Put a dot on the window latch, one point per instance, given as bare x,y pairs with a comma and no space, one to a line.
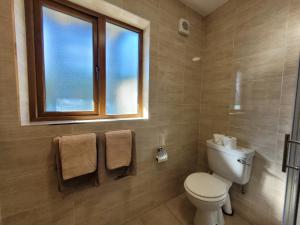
97,72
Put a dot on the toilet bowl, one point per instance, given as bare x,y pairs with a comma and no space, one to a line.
208,194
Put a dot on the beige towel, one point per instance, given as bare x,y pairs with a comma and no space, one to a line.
118,148
78,155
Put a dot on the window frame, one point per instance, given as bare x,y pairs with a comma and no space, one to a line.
36,73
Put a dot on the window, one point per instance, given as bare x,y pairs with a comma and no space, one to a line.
81,64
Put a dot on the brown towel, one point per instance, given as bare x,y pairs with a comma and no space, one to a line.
106,175
118,149
78,155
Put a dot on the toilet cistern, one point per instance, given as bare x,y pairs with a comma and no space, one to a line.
228,165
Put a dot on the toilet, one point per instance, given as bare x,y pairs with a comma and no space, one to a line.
209,192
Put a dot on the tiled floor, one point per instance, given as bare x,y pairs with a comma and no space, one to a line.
177,211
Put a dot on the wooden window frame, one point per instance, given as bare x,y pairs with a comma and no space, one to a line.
36,77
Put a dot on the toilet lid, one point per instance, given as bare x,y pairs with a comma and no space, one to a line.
205,185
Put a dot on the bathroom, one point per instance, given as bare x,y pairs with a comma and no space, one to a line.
206,67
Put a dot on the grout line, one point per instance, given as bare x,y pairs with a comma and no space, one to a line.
173,214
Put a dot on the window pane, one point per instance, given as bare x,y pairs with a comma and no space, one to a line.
68,59
122,58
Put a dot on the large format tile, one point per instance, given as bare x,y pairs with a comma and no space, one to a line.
28,177
177,211
182,209
235,220
134,222
160,215
259,41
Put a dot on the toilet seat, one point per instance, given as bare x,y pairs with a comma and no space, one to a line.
205,187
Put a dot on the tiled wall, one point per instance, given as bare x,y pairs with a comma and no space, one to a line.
28,186
260,41
257,39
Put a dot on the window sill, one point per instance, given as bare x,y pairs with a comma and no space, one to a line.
80,121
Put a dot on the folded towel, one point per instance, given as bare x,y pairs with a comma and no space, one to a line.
218,138
230,142
118,149
78,155
105,175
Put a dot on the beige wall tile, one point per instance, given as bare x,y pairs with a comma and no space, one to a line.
47,214
257,39
29,192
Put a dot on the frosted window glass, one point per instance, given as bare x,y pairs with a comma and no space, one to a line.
68,59
122,58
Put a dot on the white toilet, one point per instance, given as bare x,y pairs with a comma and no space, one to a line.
209,192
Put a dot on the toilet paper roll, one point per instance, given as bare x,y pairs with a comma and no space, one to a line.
161,155
230,142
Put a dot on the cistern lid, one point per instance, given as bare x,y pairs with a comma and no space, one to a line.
205,185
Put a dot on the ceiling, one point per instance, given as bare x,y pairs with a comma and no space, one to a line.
204,7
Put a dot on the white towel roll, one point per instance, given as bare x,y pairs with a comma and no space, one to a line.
218,138
230,142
